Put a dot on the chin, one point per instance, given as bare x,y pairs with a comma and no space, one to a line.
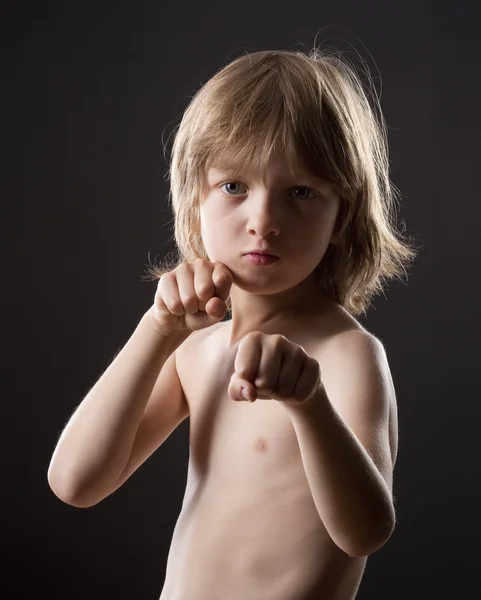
263,285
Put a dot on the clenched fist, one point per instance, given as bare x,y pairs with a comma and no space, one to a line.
192,296
270,366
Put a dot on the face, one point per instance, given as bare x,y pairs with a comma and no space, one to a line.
291,217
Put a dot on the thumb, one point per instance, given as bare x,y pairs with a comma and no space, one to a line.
240,389
215,310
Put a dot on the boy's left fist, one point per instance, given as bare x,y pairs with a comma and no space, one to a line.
272,367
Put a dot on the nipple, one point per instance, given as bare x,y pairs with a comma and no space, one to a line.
260,445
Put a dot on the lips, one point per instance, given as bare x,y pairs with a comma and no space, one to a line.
262,253
261,258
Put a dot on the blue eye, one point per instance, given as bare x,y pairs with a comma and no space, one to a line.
232,185
234,188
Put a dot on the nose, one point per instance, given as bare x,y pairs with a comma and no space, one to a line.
263,216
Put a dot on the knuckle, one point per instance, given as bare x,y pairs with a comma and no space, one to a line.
221,272
204,291
278,341
299,353
160,304
316,367
263,383
254,336
182,269
189,300
200,263
166,277
160,295
219,278
176,307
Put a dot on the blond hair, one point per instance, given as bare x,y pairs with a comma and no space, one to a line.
315,108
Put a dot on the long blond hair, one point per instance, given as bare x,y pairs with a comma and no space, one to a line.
315,108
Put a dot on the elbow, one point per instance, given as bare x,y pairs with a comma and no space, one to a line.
372,540
368,547
75,501
67,493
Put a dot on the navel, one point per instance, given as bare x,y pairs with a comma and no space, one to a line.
260,445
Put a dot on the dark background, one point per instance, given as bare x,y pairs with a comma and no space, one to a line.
90,91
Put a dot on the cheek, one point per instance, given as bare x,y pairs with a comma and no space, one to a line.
316,233
213,233
326,223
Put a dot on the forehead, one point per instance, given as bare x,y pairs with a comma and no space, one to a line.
277,164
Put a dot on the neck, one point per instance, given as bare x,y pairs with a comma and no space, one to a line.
269,313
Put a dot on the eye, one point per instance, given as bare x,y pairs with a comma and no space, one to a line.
307,193
232,188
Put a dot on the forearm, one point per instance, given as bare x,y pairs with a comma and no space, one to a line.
350,494
96,443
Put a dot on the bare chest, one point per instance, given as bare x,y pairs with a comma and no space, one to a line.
248,525
237,444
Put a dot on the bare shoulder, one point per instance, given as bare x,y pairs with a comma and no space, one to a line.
357,356
356,374
339,337
355,340
356,350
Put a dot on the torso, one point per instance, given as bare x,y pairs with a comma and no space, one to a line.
248,527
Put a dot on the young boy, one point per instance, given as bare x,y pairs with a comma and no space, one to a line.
293,422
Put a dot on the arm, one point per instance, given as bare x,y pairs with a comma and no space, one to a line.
132,408
343,435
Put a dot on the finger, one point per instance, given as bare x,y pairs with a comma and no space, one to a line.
270,364
310,373
241,390
203,284
248,355
185,283
289,373
169,294
222,279
215,310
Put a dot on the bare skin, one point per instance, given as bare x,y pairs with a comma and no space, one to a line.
248,527
285,498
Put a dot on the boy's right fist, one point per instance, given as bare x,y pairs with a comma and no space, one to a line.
192,296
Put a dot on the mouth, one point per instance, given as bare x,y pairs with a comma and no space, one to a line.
259,253
261,258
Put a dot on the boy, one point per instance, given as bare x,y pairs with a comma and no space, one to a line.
293,421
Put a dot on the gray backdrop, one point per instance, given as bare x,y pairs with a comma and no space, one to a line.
90,90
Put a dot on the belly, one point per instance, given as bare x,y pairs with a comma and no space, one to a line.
266,543
248,527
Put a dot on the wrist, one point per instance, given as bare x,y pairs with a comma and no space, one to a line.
316,397
163,330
